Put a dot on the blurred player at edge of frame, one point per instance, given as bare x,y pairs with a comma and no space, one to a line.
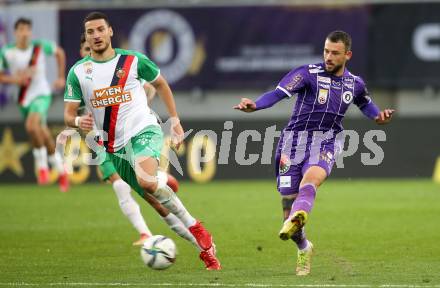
26,62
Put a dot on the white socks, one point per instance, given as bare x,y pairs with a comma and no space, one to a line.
40,157
56,161
177,226
168,198
129,207
162,178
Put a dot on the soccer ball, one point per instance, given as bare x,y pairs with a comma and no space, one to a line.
158,252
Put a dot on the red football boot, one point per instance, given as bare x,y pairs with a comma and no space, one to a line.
203,238
43,176
211,261
63,182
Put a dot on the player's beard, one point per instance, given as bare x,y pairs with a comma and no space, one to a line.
102,50
334,70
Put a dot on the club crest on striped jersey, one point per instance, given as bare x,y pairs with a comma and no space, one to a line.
120,73
110,96
88,67
322,96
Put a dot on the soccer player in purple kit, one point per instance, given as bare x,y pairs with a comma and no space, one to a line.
309,144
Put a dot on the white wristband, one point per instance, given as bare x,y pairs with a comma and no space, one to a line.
77,118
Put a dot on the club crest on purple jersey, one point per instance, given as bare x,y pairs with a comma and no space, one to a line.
322,96
347,97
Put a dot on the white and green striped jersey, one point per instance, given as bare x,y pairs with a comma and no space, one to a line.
31,60
112,91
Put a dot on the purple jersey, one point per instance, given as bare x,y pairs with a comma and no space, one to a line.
323,98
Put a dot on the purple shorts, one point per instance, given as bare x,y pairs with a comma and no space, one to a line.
290,169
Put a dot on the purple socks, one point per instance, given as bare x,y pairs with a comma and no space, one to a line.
305,199
300,239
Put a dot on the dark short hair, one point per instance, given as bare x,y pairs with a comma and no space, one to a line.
82,39
96,16
22,21
340,36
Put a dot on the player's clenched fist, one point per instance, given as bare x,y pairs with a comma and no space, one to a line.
246,105
86,122
177,135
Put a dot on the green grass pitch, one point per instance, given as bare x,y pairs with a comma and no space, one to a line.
375,232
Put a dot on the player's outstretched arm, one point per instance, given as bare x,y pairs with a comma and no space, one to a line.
246,105
371,110
384,116
164,91
17,79
60,56
264,101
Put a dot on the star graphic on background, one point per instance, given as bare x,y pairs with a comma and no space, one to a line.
11,152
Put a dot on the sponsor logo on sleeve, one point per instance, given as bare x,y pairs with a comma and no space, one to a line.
296,80
110,96
69,90
327,156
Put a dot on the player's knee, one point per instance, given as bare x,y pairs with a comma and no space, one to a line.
314,175
148,185
31,127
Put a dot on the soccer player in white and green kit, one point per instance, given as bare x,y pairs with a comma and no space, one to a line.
25,60
127,203
109,82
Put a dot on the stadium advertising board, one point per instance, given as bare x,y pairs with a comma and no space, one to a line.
226,47
244,150
404,53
